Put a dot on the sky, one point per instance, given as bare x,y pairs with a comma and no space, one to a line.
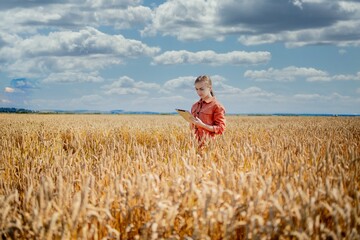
263,56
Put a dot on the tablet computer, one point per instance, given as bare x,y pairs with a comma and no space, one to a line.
185,114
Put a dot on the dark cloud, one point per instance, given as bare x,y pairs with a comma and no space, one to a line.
280,15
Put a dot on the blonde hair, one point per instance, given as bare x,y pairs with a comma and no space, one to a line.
207,80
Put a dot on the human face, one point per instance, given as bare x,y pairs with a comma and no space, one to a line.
202,90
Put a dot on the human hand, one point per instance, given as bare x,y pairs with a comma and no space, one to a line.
198,122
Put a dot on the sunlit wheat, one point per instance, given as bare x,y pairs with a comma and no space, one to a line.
142,177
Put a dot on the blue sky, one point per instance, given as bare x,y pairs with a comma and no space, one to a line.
263,56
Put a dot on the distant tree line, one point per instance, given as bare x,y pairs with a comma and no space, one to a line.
15,110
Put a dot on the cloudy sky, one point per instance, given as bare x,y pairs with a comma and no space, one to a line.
264,56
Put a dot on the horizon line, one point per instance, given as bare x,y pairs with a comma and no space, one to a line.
120,111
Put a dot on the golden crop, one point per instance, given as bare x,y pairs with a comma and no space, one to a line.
142,177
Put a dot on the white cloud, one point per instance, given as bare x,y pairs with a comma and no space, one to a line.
317,97
308,96
126,91
212,58
51,65
124,18
5,101
256,92
126,85
87,49
18,17
87,41
286,74
292,73
186,82
342,33
21,20
225,90
112,3
9,90
187,20
342,51
339,77
74,77
298,3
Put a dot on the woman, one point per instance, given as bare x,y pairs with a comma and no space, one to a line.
209,114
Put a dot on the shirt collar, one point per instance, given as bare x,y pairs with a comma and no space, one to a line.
209,100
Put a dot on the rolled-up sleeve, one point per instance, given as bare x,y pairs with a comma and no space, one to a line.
211,113
219,119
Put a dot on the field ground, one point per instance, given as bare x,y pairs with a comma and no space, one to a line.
142,177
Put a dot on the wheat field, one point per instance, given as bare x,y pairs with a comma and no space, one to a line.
143,177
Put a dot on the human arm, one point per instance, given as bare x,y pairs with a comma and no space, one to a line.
212,120
197,121
219,120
